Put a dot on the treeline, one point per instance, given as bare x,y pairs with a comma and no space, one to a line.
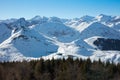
68,69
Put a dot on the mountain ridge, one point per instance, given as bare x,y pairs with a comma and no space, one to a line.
53,37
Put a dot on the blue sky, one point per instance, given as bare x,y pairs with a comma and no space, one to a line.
59,8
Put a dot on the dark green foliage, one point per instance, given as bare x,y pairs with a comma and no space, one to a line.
65,69
107,44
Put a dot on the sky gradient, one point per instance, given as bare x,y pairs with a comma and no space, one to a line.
58,8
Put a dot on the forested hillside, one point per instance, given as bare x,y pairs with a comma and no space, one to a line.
65,69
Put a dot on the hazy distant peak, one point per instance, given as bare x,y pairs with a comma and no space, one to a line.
36,17
87,18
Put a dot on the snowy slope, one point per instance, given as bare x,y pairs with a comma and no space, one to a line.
28,43
57,30
53,37
98,29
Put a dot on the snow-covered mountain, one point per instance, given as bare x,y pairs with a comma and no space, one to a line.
53,37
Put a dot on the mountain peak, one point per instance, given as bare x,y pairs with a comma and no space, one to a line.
55,19
36,17
104,18
21,20
102,15
87,18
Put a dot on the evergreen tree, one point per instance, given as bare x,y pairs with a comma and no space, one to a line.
39,69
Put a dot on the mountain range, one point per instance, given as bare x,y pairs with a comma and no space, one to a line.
52,37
